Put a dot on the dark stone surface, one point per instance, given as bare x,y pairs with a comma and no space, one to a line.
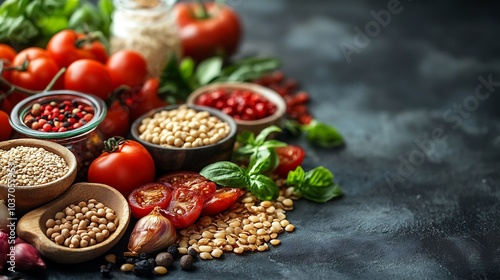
440,218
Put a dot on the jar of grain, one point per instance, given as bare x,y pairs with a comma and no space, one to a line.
85,141
148,27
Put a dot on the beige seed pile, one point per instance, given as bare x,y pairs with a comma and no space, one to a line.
249,225
30,166
82,225
183,128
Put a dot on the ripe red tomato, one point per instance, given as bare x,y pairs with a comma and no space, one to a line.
126,168
290,157
38,74
7,55
5,125
222,200
190,180
218,33
145,198
68,46
146,99
127,67
5,104
116,122
184,207
88,76
30,53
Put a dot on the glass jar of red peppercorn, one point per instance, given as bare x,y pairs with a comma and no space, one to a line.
66,117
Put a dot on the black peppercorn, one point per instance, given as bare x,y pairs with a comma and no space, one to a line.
143,268
173,250
186,262
192,252
105,271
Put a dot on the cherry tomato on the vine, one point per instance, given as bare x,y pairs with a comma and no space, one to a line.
184,207
127,67
222,200
37,75
290,157
88,76
5,125
145,198
124,165
7,55
68,46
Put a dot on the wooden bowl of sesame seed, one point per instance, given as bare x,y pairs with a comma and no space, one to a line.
34,172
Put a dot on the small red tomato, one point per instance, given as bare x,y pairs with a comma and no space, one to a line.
127,67
290,157
124,165
68,46
203,36
190,180
145,99
5,125
184,207
88,76
222,200
145,198
7,55
116,122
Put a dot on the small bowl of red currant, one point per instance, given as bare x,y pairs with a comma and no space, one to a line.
252,106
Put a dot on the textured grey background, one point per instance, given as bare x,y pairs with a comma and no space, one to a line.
441,219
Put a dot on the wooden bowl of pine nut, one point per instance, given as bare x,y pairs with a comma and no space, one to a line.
185,137
34,172
82,202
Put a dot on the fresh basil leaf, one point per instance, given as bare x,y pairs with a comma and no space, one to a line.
52,24
226,173
323,135
322,195
208,70
263,187
319,177
245,137
259,161
296,177
262,136
270,144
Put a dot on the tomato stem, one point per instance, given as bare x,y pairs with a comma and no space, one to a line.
201,11
54,80
113,143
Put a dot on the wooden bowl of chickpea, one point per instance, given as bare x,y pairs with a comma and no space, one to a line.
185,137
82,224
34,172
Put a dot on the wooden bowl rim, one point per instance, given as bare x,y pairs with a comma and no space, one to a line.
50,146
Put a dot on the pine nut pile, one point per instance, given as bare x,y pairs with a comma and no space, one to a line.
248,225
30,166
183,128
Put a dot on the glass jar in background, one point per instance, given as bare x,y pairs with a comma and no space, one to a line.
86,141
146,26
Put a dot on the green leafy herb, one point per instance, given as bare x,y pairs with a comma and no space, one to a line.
316,185
226,173
33,22
258,151
318,133
229,174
